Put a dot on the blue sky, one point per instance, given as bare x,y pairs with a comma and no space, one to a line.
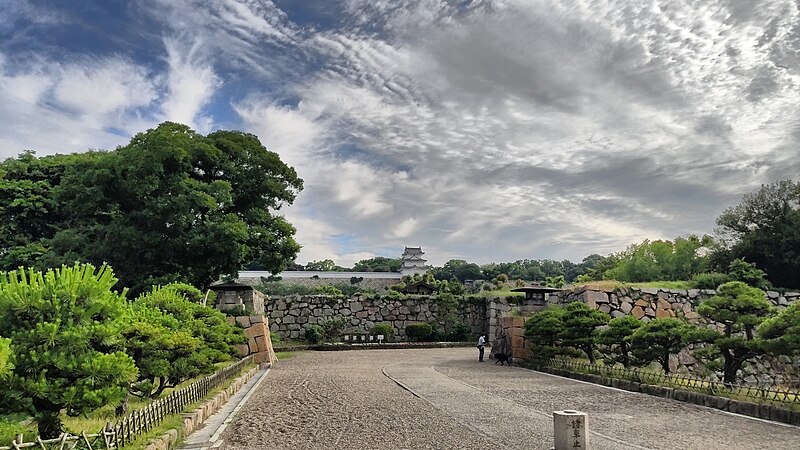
490,130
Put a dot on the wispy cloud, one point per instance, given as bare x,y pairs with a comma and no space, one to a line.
484,129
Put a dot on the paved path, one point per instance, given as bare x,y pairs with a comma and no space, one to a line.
445,399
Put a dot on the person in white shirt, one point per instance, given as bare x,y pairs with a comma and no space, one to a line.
481,343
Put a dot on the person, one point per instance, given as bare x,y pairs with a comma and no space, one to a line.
481,343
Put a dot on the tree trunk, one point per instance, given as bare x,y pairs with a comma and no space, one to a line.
589,350
122,408
49,424
162,384
665,362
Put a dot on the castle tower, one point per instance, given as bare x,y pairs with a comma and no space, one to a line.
413,261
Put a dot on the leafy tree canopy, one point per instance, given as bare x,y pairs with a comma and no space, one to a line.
660,338
764,229
781,333
378,264
615,339
580,324
172,205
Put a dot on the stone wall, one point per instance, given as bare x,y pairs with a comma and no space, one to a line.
259,341
371,284
647,304
291,315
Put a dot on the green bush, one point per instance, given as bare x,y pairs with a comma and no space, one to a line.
328,289
709,280
238,310
191,293
385,329
66,350
459,333
418,331
333,328
314,334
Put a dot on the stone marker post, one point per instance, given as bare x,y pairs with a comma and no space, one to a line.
570,430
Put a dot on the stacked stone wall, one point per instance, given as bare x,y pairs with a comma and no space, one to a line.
370,284
291,315
647,304
259,341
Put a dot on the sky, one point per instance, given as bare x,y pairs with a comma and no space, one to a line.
486,130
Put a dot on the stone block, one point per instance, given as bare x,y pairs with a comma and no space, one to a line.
663,303
643,303
517,341
262,357
605,308
261,343
626,307
637,312
252,345
661,312
592,298
243,349
570,430
243,321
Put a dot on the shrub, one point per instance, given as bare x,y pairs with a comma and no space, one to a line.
543,331
748,273
660,338
580,322
394,295
709,280
65,351
328,290
418,331
615,339
356,280
333,328
238,310
385,329
314,334
459,333
191,293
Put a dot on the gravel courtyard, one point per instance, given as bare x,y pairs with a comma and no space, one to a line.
354,400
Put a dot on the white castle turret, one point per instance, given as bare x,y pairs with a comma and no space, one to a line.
413,261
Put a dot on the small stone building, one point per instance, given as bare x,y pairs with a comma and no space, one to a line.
419,288
231,295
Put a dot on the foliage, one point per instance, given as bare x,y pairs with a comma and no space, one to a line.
740,309
282,288
236,311
781,334
191,293
356,280
378,264
459,332
65,348
709,280
579,325
554,282
326,265
543,330
418,331
458,269
328,290
765,230
386,329
173,339
661,260
172,205
741,270
660,338
615,340
314,334
394,295
332,328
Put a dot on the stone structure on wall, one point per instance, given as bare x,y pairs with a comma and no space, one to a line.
375,281
291,315
232,295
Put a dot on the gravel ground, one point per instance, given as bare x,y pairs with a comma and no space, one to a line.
351,400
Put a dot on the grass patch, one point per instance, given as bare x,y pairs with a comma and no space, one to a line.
12,424
665,284
611,285
285,355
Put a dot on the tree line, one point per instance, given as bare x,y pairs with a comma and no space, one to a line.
763,231
741,324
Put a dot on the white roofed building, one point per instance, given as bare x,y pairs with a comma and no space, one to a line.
413,261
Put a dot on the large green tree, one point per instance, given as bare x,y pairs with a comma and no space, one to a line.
764,229
580,325
660,338
739,308
378,264
65,349
543,330
172,205
614,340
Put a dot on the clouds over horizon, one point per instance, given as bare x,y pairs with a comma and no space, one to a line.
486,130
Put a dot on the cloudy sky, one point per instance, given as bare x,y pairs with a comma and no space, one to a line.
489,130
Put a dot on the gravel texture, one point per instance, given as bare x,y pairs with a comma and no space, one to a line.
352,400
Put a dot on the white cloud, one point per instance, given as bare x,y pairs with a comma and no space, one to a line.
191,83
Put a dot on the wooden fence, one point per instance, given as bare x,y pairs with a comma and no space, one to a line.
129,427
787,395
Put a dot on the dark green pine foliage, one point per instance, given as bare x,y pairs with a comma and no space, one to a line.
65,348
781,334
739,308
580,326
614,340
660,338
543,331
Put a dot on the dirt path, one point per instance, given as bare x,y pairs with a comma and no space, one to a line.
352,400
